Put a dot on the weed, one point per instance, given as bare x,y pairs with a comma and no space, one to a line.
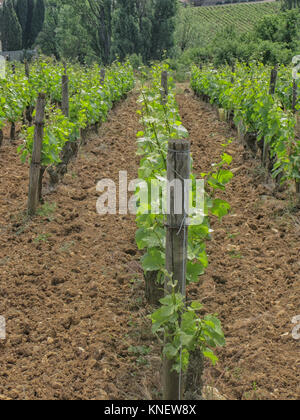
47,210
43,237
66,246
234,254
139,350
233,235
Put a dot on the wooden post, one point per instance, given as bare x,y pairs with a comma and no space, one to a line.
297,128
272,89
70,147
29,108
178,170
164,85
65,94
164,82
298,192
35,166
232,73
27,72
102,77
153,289
295,96
273,80
12,131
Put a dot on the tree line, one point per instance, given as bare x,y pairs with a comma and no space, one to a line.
88,30
21,22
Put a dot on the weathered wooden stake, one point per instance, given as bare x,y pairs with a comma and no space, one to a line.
294,97
12,131
35,166
102,77
298,192
70,147
65,94
273,80
272,89
178,170
27,72
154,291
29,108
297,128
233,72
164,85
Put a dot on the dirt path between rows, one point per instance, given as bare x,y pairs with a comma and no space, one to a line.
72,291
253,280
70,283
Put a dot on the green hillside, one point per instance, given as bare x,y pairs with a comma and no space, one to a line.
210,19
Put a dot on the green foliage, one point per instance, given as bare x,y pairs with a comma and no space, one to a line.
22,22
89,102
126,29
58,131
281,28
11,31
21,7
72,37
92,30
246,93
184,331
43,237
244,32
199,26
38,16
29,19
163,27
161,121
15,95
136,61
47,210
290,4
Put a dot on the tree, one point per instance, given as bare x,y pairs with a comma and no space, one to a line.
27,35
126,29
145,18
72,39
267,28
279,28
108,28
101,13
290,4
163,27
30,14
37,21
21,7
11,31
46,39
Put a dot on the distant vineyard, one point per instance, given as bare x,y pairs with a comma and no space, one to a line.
241,16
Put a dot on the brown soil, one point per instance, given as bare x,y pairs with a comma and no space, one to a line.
253,280
72,291
70,285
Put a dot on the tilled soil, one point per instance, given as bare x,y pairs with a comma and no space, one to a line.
70,280
253,279
71,285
